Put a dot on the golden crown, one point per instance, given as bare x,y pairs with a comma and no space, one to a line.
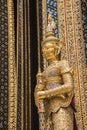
49,36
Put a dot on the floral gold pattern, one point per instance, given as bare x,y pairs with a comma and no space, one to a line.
74,51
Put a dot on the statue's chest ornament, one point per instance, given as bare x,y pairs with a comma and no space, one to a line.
53,77
52,71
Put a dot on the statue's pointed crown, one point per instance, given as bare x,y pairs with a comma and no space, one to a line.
49,35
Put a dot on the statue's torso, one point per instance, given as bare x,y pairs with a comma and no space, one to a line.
53,79
53,76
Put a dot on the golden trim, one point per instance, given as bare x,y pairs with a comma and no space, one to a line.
44,17
80,66
44,24
38,36
78,101
61,26
12,116
72,26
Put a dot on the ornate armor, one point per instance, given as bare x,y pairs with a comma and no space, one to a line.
54,91
59,96
57,84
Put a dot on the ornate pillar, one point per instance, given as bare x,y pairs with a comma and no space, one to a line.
70,28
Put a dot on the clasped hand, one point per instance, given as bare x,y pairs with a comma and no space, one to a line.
41,95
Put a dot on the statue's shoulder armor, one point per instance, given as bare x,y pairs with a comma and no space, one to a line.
64,66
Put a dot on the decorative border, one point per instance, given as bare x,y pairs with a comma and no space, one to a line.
81,65
12,116
61,26
44,24
44,17
70,22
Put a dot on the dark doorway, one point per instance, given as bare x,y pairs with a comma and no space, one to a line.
34,62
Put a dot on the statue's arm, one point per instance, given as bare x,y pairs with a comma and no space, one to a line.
67,87
39,88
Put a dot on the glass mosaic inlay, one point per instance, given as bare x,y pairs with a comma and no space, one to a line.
52,8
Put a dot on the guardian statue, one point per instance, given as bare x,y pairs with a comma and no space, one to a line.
54,89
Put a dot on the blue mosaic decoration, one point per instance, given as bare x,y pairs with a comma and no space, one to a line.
84,19
52,8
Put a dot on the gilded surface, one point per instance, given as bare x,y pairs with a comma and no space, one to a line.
12,116
44,17
54,89
70,27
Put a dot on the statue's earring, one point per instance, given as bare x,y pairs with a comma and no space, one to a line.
58,50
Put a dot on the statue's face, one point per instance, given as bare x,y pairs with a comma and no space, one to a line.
48,50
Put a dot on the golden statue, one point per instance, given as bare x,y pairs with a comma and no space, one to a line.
54,91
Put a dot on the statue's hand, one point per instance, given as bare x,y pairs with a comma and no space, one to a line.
41,95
